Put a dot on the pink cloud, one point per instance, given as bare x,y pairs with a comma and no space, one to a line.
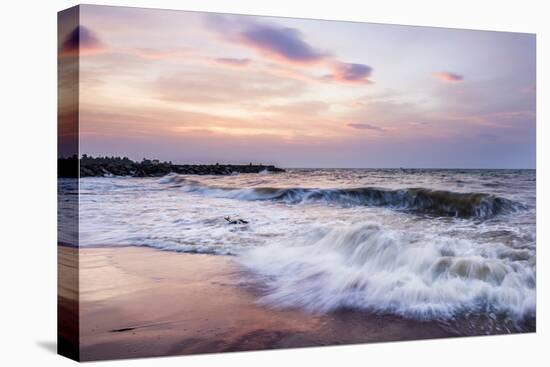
363,126
233,62
350,73
449,77
156,54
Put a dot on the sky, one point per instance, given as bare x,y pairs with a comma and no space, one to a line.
193,87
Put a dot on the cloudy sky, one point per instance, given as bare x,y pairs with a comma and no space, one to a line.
204,88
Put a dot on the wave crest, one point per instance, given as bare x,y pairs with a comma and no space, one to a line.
420,200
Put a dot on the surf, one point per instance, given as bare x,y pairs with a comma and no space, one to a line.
418,200
365,266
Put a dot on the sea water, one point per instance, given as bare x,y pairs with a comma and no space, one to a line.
455,246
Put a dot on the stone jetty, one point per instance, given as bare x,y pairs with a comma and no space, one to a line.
117,166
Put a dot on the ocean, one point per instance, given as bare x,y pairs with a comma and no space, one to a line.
455,247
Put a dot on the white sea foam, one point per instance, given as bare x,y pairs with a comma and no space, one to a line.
367,267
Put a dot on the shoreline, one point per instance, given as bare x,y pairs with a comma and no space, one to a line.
142,302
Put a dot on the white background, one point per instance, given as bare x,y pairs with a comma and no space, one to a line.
28,179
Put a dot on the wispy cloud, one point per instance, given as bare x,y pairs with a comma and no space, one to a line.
363,126
157,54
229,61
223,87
81,41
449,77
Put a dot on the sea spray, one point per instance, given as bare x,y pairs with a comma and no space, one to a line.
365,266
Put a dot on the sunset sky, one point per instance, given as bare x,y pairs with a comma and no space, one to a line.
204,88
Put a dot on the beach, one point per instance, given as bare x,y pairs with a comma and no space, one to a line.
142,302
187,264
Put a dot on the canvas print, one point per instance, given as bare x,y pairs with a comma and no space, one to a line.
235,183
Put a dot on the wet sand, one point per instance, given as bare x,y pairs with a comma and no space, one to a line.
141,302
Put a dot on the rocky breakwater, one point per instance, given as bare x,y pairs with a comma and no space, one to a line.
116,166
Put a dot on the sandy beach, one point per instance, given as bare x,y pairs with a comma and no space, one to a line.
142,302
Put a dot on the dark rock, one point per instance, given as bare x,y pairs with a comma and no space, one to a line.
116,166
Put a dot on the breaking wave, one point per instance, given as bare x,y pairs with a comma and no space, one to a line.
426,277
420,200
